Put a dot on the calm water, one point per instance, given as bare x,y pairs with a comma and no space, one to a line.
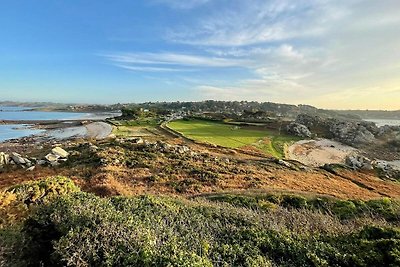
23,114
380,123
11,131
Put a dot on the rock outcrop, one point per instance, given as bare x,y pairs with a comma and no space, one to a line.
360,162
384,169
351,132
299,130
54,158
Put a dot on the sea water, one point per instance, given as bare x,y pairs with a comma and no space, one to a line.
8,131
24,114
382,122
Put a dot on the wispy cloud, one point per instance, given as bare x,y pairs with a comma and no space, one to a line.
296,51
259,21
152,61
182,4
150,69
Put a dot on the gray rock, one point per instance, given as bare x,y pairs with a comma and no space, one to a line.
351,132
359,162
54,163
298,129
41,162
182,149
18,159
52,158
284,163
30,168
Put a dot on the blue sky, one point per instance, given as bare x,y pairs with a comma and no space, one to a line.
328,53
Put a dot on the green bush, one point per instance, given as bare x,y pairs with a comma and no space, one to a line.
38,192
85,230
66,227
294,201
385,208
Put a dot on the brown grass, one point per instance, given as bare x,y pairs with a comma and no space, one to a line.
242,172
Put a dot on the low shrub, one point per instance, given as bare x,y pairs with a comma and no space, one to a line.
85,230
385,208
39,192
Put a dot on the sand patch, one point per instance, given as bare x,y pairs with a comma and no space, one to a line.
319,152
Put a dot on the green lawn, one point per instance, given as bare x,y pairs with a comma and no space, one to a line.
143,122
126,128
233,136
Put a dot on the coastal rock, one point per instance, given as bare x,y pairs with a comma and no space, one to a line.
309,120
4,159
298,129
388,130
18,159
136,140
284,163
52,158
41,162
388,170
60,152
30,168
351,132
359,162
182,149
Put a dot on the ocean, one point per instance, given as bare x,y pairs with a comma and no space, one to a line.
23,114
12,131
381,122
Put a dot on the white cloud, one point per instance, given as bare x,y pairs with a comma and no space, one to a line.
352,58
321,52
174,59
150,69
259,21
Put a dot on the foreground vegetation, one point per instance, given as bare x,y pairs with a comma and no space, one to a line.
60,226
233,136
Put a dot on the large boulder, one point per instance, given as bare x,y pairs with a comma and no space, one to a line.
351,133
309,120
4,159
298,130
360,162
52,157
18,159
58,151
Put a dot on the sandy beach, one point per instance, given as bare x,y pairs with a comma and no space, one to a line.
319,152
98,130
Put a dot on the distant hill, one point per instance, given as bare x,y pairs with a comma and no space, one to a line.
372,114
280,109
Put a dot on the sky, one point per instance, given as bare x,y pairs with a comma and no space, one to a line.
337,54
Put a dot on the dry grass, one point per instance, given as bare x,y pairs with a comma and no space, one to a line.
172,174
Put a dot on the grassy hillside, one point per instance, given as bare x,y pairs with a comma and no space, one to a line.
232,136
